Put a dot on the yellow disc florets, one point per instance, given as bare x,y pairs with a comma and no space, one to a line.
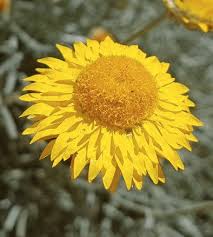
116,91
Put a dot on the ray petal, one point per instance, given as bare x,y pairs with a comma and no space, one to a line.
108,176
40,109
53,63
95,167
79,162
47,150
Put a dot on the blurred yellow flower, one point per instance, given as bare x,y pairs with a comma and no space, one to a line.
194,13
112,108
99,34
4,5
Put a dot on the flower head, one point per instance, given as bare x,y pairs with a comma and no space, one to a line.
112,108
100,33
5,5
193,13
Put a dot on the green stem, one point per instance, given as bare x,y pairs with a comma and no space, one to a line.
147,28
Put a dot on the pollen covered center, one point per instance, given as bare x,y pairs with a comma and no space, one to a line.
116,91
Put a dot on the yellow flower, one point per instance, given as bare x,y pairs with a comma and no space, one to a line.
193,13
112,108
5,5
99,34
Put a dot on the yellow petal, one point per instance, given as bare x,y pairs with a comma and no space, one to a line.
178,160
126,168
153,65
31,130
137,180
105,140
152,171
194,121
166,150
146,146
46,122
80,130
37,78
95,167
44,135
61,143
124,143
41,87
68,123
92,144
204,27
165,114
93,50
108,176
191,137
161,176
57,98
53,63
176,88
134,52
115,181
47,150
27,97
79,162
164,67
36,117
31,97
74,146
106,47
93,44
80,50
67,76
164,79
57,160
40,109
139,164
169,106
36,87
66,52
171,138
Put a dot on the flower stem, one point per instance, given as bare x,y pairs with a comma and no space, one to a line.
147,28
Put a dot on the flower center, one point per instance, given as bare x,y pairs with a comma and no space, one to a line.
116,91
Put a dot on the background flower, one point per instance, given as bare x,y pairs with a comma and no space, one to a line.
5,5
193,13
99,34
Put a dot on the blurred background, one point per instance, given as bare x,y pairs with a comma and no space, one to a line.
39,201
